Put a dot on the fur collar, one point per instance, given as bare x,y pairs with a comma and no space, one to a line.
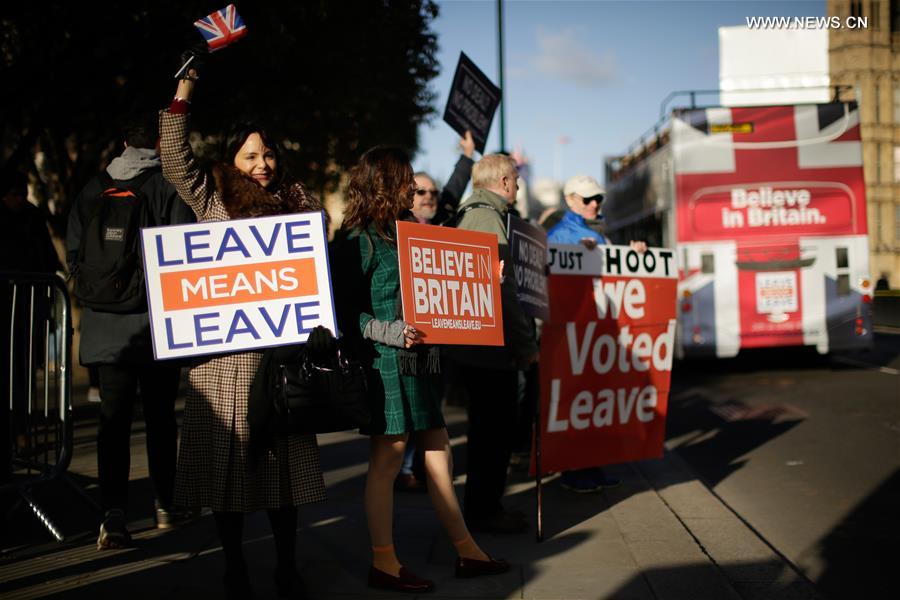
244,198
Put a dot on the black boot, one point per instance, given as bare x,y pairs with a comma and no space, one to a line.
284,529
290,585
230,526
237,585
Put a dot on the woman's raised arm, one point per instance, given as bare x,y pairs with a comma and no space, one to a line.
194,185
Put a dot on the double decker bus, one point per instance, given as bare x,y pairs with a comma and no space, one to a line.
766,207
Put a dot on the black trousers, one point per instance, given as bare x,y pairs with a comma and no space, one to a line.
493,395
230,526
118,392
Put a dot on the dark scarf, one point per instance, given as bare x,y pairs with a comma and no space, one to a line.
244,198
419,360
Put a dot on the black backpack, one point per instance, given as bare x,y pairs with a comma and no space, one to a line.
109,272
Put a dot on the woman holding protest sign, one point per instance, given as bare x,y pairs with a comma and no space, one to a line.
216,467
405,375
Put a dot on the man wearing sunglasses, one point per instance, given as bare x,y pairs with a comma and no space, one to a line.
433,207
436,207
584,197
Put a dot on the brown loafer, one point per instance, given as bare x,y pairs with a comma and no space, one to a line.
407,582
407,482
470,567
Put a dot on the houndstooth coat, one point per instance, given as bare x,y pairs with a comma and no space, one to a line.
214,467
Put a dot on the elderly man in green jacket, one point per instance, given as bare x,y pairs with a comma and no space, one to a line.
490,374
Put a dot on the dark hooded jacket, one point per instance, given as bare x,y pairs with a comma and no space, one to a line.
110,338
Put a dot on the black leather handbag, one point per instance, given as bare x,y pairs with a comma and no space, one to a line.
311,397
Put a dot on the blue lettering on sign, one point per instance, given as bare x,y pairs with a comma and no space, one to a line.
234,330
291,236
162,259
200,330
266,248
170,337
190,246
238,245
298,311
281,323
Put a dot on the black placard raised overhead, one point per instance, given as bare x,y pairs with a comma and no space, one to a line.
472,102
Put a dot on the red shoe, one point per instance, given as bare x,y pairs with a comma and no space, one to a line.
407,581
467,568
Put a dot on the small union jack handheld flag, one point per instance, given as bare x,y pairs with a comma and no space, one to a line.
221,28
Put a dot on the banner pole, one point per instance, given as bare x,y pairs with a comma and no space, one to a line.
501,69
539,492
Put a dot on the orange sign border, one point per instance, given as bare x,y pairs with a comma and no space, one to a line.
407,233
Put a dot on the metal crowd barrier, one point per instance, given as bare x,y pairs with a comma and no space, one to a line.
36,315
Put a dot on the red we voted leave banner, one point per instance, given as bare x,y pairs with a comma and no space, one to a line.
606,355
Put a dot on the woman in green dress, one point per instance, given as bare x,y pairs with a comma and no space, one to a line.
405,374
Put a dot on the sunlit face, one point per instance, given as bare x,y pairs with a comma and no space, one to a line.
425,201
256,160
588,208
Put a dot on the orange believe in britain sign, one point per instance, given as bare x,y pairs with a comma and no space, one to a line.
606,355
450,284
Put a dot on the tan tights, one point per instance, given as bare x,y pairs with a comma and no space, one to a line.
385,459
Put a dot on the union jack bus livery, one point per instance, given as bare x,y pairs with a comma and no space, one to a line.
766,207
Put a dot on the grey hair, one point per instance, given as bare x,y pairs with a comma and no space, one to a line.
491,169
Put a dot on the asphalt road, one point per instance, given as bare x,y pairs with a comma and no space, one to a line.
806,449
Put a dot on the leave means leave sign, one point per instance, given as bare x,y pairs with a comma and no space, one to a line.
237,285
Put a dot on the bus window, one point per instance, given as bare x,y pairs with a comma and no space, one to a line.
707,265
843,271
841,255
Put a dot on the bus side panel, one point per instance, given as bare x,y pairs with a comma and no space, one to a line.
708,302
840,278
638,203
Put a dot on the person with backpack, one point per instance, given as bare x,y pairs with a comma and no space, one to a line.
103,254
490,373
215,461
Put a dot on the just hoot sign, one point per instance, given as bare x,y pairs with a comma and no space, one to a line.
606,355
237,285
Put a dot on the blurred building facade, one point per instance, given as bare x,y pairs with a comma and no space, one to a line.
867,60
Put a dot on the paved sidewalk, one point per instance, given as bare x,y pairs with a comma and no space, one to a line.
661,535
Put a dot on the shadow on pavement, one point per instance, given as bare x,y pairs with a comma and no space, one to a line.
714,434
861,551
676,582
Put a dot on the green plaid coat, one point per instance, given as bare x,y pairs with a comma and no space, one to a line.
367,286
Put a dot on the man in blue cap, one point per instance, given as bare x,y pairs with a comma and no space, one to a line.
584,197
